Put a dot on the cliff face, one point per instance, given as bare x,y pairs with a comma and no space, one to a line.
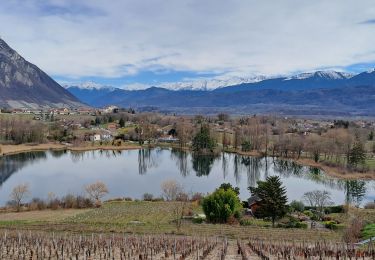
24,85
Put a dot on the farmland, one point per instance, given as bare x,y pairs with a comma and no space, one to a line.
40,245
150,218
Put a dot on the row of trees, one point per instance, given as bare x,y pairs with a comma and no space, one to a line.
95,192
17,131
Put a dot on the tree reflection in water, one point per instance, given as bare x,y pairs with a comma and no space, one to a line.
202,163
253,167
10,164
147,159
181,158
355,190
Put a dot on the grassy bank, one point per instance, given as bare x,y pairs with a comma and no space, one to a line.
147,218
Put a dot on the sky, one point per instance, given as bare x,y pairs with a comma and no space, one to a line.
125,43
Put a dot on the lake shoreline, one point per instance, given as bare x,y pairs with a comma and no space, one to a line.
24,148
336,172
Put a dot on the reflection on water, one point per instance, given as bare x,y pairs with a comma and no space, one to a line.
13,163
135,172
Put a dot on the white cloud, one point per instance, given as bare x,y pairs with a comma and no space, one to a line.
117,38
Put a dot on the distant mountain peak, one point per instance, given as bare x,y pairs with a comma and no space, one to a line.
211,84
325,74
88,85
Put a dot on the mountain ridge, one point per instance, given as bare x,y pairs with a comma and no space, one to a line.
24,85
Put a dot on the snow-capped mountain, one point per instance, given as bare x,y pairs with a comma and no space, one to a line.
88,85
210,84
329,74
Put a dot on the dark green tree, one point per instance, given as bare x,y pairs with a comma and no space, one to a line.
202,141
221,205
357,155
227,186
273,199
371,136
121,122
246,146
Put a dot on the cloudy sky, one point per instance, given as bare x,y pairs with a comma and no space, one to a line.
125,42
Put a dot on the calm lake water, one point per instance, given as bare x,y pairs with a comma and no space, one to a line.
135,172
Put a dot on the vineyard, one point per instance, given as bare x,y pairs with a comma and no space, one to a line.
43,245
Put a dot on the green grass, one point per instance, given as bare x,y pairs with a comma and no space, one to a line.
368,231
156,218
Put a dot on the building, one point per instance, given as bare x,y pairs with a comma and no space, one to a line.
254,203
110,109
95,138
168,139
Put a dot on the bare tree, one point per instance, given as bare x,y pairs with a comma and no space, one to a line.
179,208
318,199
171,189
96,191
18,194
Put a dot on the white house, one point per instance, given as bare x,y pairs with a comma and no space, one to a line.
95,138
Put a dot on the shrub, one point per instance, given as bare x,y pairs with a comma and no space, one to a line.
54,204
148,197
330,224
37,204
69,201
158,199
221,205
198,220
334,209
297,206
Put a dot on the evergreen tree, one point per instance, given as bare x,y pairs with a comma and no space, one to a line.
273,199
371,136
202,141
121,122
227,186
357,155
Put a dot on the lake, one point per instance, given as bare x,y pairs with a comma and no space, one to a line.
134,172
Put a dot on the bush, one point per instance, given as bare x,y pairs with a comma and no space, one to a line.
37,204
221,205
334,209
148,197
297,206
198,220
330,224
69,202
54,204
158,199
291,222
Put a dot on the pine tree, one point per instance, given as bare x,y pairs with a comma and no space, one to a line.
357,155
202,141
121,122
273,199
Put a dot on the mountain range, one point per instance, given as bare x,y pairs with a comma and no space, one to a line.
24,85
316,93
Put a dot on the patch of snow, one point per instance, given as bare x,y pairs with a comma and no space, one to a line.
210,84
89,85
329,74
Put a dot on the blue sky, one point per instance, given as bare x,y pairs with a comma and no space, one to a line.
127,43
